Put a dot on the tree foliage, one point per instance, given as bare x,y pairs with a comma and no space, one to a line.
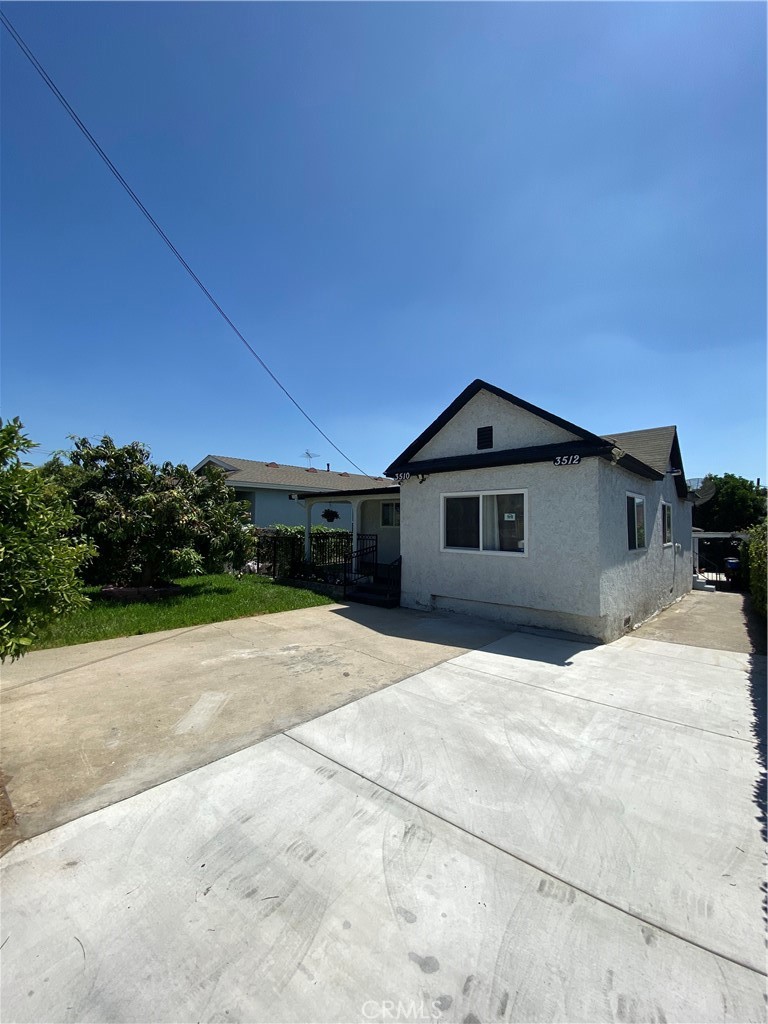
151,523
39,562
737,504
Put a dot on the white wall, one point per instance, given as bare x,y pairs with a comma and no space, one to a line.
388,536
556,584
512,428
636,584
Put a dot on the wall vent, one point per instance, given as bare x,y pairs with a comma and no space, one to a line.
484,437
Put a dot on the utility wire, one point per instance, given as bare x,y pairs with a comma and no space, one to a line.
121,180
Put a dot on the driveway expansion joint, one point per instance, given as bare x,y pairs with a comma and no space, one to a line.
615,707
107,657
522,860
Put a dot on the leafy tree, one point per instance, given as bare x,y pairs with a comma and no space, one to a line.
737,504
151,523
38,563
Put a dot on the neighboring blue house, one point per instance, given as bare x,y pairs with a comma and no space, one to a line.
271,488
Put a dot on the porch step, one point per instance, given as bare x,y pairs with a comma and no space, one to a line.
377,594
700,583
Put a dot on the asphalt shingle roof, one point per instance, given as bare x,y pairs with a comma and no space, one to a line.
248,471
652,446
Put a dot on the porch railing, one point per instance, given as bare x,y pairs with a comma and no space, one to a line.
390,574
361,563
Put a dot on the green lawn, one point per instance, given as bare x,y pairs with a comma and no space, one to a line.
205,599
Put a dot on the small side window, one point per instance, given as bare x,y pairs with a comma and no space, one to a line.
666,522
390,513
635,522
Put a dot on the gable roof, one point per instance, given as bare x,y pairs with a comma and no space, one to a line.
466,395
656,447
248,471
646,453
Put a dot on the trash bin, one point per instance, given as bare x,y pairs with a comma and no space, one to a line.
733,571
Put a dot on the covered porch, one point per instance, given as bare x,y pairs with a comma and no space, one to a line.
372,570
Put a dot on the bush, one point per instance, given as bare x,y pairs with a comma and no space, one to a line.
298,531
757,554
151,523
39,564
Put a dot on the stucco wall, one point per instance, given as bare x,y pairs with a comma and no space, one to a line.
389,536
271,507
636,584
512,428
556,584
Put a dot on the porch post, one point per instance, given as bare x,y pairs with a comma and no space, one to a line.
307,529
355,503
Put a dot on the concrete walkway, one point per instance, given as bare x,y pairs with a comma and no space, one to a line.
721,621
538,830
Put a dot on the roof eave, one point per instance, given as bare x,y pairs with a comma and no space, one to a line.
502,457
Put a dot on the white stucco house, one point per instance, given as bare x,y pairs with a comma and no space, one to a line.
271,488
509,512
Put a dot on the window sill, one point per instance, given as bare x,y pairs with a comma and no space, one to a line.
477,551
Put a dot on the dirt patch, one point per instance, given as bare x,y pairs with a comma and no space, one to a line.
140,593
9,827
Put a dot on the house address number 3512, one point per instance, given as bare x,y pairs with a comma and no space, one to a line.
567,460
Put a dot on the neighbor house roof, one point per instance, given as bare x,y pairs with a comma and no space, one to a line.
272,474
644,452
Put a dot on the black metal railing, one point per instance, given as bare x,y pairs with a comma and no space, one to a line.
389,575
361,563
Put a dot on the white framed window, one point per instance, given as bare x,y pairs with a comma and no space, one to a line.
635,522
666,523
488,522
390,513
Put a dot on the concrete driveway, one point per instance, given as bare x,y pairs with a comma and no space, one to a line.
85,726
538,830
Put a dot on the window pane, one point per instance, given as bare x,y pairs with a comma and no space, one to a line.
462,522
640,520
503,522
396,514
631,536
386,513
667,524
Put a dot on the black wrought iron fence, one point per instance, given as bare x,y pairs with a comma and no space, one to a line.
329,548
283,554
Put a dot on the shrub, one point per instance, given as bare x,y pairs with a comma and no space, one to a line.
38,563
757,554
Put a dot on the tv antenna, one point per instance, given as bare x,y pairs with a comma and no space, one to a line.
308,455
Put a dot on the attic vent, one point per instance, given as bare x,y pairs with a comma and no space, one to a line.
311,469
484,437
272,465
344,474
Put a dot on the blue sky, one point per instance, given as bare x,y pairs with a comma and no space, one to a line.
389,200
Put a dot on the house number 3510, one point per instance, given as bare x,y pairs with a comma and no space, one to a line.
567,460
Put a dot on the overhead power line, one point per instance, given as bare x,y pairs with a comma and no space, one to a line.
124,184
